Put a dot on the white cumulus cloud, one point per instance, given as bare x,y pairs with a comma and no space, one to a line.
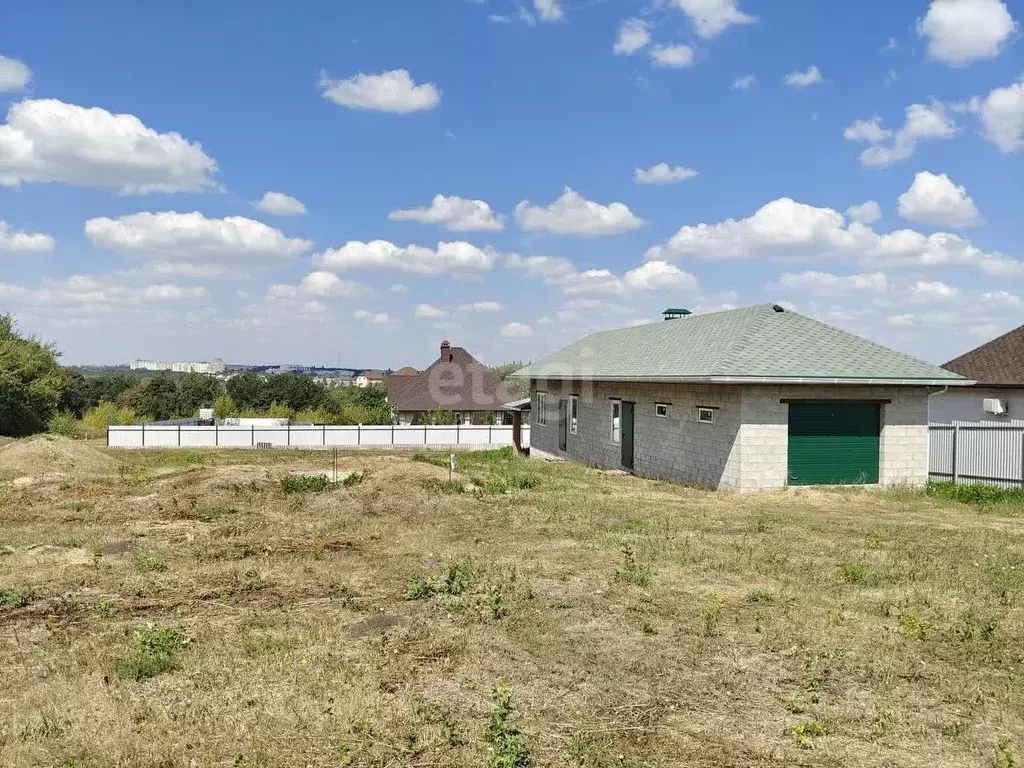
46,140
280,204
1002,116
785,230
634,35
429,311
812,76
573,214
24,242
663,173
818,283
921,122
673,56
744,83
191,238
514,330
456,214
375,318
393,91
481,306
866,213
962,31
540,266
449,258
318,284
931,291
935,199
14,75
549,10
712,17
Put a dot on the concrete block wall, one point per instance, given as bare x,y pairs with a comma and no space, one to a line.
746,449
764,436
676,447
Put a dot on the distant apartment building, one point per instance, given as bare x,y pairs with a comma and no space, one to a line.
178,366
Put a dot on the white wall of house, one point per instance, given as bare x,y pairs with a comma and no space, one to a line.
962,405
745,449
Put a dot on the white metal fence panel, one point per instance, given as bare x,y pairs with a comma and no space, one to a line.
977,454
381,436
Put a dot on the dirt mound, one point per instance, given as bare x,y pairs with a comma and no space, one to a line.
46,455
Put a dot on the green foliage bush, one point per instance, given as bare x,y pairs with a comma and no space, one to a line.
975,493
16,597
306,484
154,650
31,382
508,744
65,424
97,419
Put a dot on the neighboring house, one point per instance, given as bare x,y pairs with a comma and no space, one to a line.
455,382
744,399
369,378
406,371
998,395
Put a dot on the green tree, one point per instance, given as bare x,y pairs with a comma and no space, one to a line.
75,397
438,416
249,391
224,406
107,387
99,417
299,393
519,387
157,398
31,382
195,391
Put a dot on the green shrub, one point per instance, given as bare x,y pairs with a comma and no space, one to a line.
806,731
352,478
508,744
16,597
154,650
150,562
306,484
862,575
975,493
64,424
711,613
98,418
631,571
444,486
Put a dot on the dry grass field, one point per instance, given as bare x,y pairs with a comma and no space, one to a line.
165,609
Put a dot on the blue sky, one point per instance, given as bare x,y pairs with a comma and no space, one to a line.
714,151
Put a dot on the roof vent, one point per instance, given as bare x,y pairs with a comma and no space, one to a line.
675,313
778,308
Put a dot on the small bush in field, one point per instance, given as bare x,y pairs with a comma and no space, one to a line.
862,575
508,747
444,486
150,562
16,597
632,572
353,478
154,651
64,424
306,484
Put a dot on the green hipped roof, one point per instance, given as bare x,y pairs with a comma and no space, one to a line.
750,343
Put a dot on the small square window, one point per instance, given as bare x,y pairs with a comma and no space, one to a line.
542,408
661,410
706,415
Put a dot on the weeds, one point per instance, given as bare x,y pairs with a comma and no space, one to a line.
16,597
1004,754
150,562
711,613
211,513
444,486
306,484
760,596
154,650
631,571
860,575
975,493
806,732
913,626
508,747
972,626
351,479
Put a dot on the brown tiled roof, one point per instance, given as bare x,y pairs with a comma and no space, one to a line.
461,384
406,371
373,374
1000,362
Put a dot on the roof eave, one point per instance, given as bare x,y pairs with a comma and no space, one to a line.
863,381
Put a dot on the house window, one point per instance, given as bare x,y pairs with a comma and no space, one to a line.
706,415
542,408
574,413
616,421
661,410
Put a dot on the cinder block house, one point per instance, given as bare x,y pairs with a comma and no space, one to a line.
744,399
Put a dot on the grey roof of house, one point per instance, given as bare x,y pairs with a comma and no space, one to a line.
750,344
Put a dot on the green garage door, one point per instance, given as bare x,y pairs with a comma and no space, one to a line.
833,443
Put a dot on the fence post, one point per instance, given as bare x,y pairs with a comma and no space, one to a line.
324,430
143,434
424,434
490,439
1022,459
288,435
216,435
456,434
359,434
392,435
179,435
956,440
252,434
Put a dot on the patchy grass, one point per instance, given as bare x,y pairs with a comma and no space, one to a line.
976,493
550,615
307,484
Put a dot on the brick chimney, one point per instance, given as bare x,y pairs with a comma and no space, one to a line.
446,352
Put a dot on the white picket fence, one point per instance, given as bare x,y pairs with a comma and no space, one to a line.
397,436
